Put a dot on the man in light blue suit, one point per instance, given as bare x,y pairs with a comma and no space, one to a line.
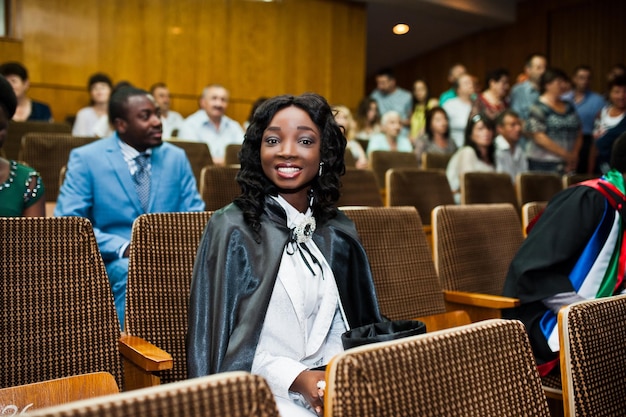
114,180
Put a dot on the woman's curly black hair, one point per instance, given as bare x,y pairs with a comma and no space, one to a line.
253,182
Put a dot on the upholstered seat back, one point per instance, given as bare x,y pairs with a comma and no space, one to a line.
359,188
593,336
423,189
57,316
48,153
402,266
482,369
163,250
474,245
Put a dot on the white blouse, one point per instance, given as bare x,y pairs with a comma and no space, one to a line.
464,160
304,319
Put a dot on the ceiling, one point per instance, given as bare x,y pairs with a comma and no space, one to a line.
432,23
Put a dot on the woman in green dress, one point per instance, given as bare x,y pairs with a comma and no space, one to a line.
21,188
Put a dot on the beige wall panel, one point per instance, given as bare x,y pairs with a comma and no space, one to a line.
591,34
253,48
11,50
257,66
60,40
346,87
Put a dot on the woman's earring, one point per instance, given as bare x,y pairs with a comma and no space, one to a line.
320,170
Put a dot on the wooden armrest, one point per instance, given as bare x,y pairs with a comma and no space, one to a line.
480,300
144,354
445,320
22,399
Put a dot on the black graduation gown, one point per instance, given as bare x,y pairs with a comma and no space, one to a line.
542,265
234,277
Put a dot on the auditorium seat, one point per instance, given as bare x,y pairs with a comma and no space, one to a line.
349,159
473,247
406,283
381,161
488,187
57,313
571,179
231,154
218,186
422,189
435,160
48,153
17,130
537,186
24,399
198,154
162,253
229,394
484,369
592,338
359,188
530,210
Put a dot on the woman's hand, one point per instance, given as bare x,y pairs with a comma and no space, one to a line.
306,384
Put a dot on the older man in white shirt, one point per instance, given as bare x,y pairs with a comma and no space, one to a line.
510,157
210,124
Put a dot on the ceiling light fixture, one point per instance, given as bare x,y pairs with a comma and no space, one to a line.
400,29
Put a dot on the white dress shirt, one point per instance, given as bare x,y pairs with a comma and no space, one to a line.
512,163
198,127
304,320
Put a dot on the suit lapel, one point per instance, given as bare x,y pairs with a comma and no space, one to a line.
157,162
122,173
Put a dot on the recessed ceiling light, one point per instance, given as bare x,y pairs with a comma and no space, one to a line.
400,29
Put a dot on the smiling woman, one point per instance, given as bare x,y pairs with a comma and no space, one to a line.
290,155
281,257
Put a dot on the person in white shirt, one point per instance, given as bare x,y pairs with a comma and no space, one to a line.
88,118
343,117
510,157
391,137
211,125
171,120
478,154
459,108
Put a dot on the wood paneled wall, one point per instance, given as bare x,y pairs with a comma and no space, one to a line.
569,32
253,48
10,50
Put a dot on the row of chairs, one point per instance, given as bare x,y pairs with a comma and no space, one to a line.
164,247
424,189
476,187
49,152
451,372
489,187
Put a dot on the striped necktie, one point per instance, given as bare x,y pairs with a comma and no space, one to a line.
142,179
